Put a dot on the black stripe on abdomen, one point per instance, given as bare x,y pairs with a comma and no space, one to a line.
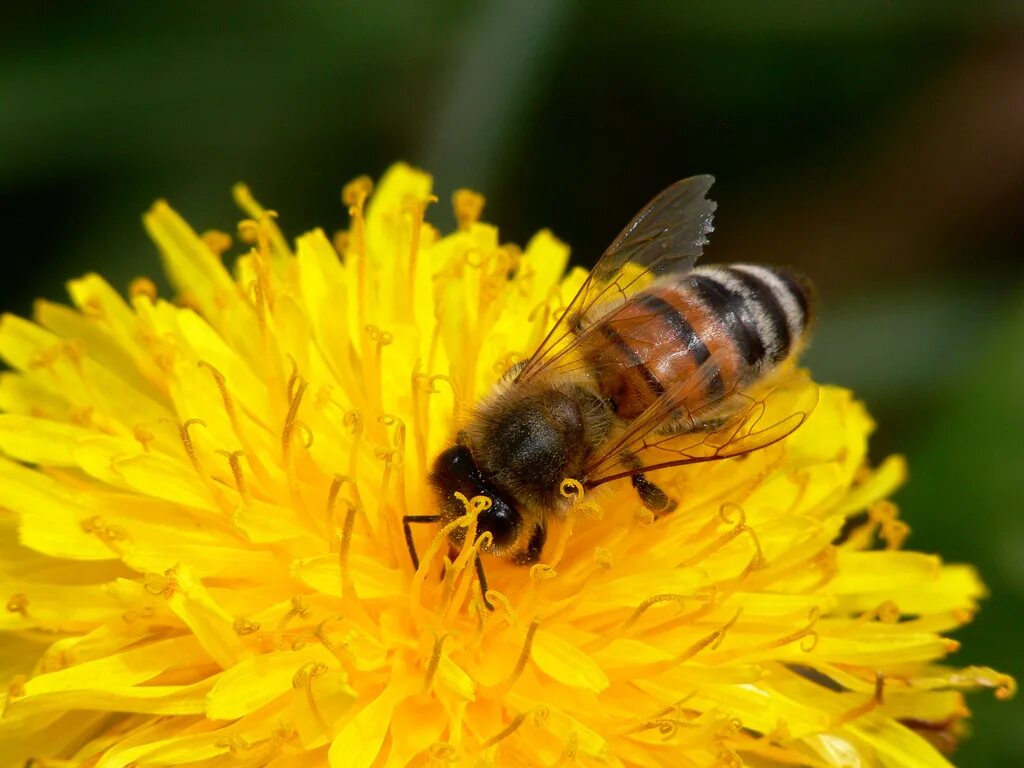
632,358
687,337
769,304
731,310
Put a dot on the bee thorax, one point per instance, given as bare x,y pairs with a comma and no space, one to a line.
529,445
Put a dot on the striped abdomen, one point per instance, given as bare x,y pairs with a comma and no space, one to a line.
737,321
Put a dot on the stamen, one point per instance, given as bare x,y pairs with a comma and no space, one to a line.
649,603
298,608
353,420
886,612
111,535
422,384
234,461
807,636
186,440
447,584
739,527
303,680
16,688
505,732
568,751
267,218
407,308
827,562
243,626
225,396
468,206
442,753
893,530
18,603
291,425
372,363
236,745
521,662
435,661
469,553
862,709
257,231
394,458
218,242
132,616
468,521
143,436
1005,686
332,503
193,458
344,545
259,304
354,196
142,287
540,572
497,597
157,585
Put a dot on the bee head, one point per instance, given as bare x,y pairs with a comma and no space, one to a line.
455,471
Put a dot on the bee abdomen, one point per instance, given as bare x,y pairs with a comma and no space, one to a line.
763,311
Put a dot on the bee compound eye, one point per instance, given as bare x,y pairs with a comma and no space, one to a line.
501,520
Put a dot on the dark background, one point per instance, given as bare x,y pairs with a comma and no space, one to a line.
878,146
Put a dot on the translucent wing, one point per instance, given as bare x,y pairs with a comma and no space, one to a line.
667,236
736,422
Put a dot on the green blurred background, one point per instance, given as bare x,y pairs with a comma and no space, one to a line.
878,146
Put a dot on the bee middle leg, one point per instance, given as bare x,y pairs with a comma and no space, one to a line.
651,495
531,554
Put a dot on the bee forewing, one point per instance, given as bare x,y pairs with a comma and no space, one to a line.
667,236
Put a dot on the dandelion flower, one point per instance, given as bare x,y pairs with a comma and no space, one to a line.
203,562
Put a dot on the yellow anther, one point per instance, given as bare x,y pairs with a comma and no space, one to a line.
16,687
18,603
142,287
93,307
468,206
143,436
157,584
441,752
375,334
218,242
354,193
248,230
243,626
186,441
542,572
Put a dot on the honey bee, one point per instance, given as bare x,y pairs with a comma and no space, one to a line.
654,363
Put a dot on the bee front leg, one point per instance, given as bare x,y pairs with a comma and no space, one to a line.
407,522
482,578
